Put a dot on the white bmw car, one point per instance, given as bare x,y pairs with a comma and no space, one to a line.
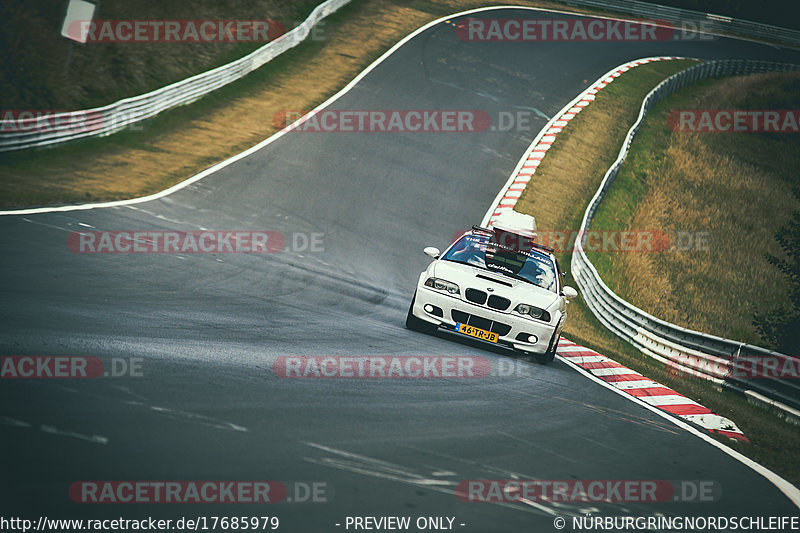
496,285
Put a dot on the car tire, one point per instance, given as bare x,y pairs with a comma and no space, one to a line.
550,354
417,324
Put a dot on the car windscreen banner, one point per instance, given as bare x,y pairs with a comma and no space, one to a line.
507,261
510,241
507,251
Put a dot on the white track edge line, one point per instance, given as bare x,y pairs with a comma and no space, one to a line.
222,164
792,492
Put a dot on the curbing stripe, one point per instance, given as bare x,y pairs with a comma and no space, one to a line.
614,374
652,390
784,486
676,401
648,391
542,143
632,386
627,379
600,372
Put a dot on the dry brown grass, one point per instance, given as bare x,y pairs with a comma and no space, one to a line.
573,168
699,189
565,181
33,73
117,167
707,183
114,172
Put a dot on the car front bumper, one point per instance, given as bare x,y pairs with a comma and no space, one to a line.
449,310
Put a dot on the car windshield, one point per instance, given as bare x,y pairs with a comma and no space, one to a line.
531,266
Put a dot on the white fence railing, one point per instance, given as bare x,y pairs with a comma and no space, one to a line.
53,128
696,20
724,361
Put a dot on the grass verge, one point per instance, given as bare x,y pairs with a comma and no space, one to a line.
42,70
181,142
720,197
562,187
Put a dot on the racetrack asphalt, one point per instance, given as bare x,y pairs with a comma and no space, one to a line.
208,327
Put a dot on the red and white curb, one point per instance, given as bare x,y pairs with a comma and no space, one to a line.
614,374
526,168
646,390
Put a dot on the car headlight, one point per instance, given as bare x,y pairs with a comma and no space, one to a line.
442,285
531,310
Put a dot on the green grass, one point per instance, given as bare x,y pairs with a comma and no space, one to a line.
34,73
113,167
18,168
714,185
558,194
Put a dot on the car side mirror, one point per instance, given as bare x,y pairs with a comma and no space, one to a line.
432,251
569,292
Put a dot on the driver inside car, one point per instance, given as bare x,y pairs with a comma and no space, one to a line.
468,251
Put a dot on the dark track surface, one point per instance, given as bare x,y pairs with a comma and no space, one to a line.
208,327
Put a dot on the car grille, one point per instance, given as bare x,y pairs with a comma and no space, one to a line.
498,302
494,301
479,322
475,296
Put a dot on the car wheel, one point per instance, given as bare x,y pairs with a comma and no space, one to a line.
553,348
550,354
417,324
542,358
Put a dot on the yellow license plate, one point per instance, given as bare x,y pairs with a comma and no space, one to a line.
478,333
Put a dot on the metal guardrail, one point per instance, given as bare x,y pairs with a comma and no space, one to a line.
66,126
56,128
721,360
693,20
